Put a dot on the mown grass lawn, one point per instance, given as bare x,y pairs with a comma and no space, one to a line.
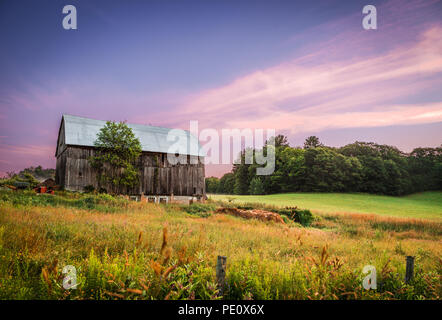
426,205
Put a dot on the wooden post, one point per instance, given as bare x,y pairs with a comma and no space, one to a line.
221,273
409,270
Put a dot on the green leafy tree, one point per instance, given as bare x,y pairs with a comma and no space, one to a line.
117,152
357,167
256,186
226,183
424,167
212,184
312,142
290,171
279,141
241,179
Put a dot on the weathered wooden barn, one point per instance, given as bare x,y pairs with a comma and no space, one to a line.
75,146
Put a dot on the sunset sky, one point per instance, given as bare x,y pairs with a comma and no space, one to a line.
300,67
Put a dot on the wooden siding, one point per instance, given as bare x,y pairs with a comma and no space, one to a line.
157,175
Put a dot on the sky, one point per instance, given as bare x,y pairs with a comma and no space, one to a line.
300,67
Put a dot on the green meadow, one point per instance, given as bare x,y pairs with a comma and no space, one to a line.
426,205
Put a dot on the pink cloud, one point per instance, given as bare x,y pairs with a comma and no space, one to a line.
299,96
28,150
394,115
14,158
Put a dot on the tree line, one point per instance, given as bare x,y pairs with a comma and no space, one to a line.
358,167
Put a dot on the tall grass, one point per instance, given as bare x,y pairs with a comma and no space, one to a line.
129,250
100,202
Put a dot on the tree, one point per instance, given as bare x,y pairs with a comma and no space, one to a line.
212,184
385,169
10,174
241,179
424,166
256,186
226,183
280,141
115,159
357,167
321,173
290,171
312,142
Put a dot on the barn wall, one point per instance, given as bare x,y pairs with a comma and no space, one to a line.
61,146
157,175
60,170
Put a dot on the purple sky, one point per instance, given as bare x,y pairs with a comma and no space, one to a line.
300,67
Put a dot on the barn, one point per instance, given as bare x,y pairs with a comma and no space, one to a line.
157,177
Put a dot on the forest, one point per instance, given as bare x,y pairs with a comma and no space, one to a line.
358,167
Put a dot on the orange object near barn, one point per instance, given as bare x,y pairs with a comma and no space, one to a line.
41,189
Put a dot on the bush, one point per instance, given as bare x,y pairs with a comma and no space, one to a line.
304,217
200,209
89,189
301,216
26,182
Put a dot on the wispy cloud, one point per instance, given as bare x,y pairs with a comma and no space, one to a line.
27,150
299,96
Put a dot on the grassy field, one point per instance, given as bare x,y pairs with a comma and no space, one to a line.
129,250
427,205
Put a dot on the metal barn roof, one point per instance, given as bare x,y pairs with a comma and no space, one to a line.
83,132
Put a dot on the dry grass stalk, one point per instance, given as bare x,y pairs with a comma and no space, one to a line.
164,244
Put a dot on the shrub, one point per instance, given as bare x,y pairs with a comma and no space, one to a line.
89,189
304,217
301,216
200,209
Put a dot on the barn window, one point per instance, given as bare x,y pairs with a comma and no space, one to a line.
194,190
162,160
80,174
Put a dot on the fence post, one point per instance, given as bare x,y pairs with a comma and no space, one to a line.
221,273
409,270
